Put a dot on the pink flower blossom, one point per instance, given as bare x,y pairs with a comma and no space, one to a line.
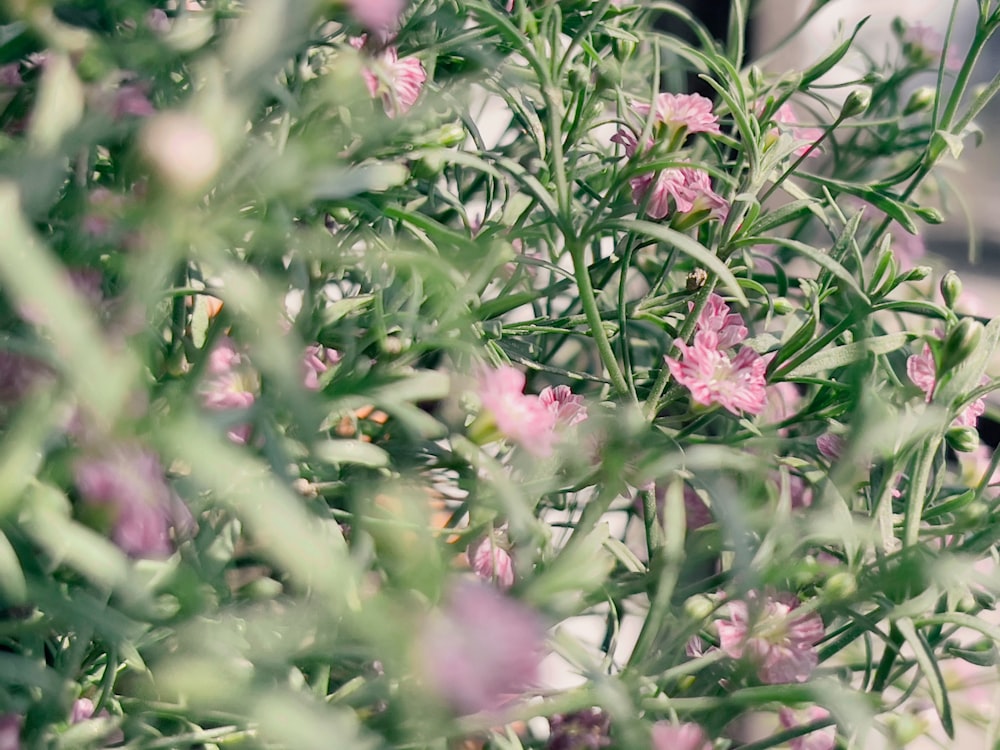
736,384
377,15
481,650
10,76
689,736
691,112
316,360
83,710
229,386
808,136
491,561
10,731
129,482
830,445
131,100
922,370
782,402
820,739
715,317
568,408
923,44
779,642
397,82
525,419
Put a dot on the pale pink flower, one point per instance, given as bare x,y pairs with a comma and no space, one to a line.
157,21
83,710
689,736
712,377
568,408
716,317
782,402
691,112
10,731
808,136
525,419
230,385
778,641
397,82
316,360
820,739
830,445
377,15
922,370
699,193
129,482
482,650
131,100
491,561
924,44
696,512
10,76
20,374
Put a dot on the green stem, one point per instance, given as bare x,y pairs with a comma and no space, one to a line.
918,490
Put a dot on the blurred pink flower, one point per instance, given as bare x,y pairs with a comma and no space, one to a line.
129,481
83,710
808,136
10,731
131,100
580,730
316,360
482,650
924,44
397,82
830,445
230,385
491,561
568,408
821,739
717,318
525,419
922,370
779,642
377,15
691,112
700,195
19,374
157,21
689,736
10,76
737,384
781,402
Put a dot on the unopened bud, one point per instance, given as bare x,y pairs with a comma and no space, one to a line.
919,273
782,306
183,153
929,215
961,342
921,99
755,77
623,49
856,103
951,289
962,439
841,586
699,607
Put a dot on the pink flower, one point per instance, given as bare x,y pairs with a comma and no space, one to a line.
10,731
782,401
689,736
157,21
491,561
10,76
481,650
568,408
398,82
230,386
129,481
316,360
699,193
737,384
922,370
779,642
923,45
377,15
820,739
130,100
83,710
20,374
580,730
715,317
830,445
786,116
691,112
522,418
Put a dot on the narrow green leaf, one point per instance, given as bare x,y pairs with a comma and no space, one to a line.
838,356
924,655
824,66
820,258
351,452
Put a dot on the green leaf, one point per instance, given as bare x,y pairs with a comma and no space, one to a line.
888,204
351,452
824,66
688,246
925,657
340,183
60,103
838,356
817,256
783,215
12,584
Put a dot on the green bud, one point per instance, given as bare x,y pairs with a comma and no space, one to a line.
951,289
699,607
962,439
982,653
920,100
782,306
973,514
885,270
451,134
961,342
856,103
755,77
841,586
917,274
905,727
930,215
623,49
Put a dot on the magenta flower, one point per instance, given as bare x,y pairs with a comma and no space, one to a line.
699,195
831,446
525,419
230,386
128,481
316,360
780,642
568,408
689,736
491,561
922,370
736,384
581,730
482,650
715,317
690,112
807,136
821,739
397,82
10,731
377,15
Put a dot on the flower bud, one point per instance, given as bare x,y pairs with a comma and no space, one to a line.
920,100
962,439
183,153
623,49
918,273
951,289
841,586
961,342
973,514
856,103
929,215
699,607
905,727
755,77
782,306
